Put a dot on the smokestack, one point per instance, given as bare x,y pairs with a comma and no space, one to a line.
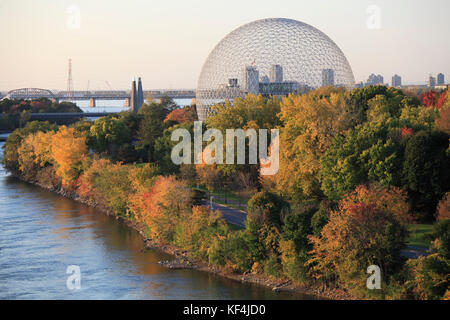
140,94
134,98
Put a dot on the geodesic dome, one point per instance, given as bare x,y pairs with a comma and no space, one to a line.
270,57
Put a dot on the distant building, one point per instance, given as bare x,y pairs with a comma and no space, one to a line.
396,81
250,80
265,79
440,79
375,79
276,73
232,82
431,81
278,88
327,77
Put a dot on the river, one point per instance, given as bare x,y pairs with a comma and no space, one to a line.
42,233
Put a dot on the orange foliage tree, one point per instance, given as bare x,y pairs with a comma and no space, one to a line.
183,115
68,151
162,206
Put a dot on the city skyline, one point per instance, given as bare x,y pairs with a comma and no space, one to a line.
169,52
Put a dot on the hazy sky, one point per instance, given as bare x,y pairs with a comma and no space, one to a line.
166,41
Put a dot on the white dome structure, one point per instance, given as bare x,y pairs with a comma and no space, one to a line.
270,57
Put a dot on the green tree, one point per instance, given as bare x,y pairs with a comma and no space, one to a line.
366,153
426,171
108,134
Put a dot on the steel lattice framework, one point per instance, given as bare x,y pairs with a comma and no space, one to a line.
29,93
302,51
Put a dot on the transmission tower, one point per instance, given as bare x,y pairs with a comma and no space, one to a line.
70,83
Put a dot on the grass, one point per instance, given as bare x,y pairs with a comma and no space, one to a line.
227,195
418,235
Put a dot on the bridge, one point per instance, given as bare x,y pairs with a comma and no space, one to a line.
67,115
36,93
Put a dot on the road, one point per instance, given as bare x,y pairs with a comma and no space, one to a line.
231,215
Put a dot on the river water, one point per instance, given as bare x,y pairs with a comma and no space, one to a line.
42,233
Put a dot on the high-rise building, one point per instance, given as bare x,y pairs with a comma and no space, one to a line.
396,81
440,79
250,80
327,77
431,81
276,73
375,79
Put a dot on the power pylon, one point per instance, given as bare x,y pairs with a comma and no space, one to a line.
70,83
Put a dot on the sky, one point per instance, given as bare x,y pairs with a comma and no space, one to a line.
166,41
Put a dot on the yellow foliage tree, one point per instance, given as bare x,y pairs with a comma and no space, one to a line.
68,151
311,122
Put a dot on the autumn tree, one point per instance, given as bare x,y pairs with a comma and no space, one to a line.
311,122
162,207
68,151
15,139
358,234
183,115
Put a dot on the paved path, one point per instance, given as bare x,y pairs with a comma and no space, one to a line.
231,215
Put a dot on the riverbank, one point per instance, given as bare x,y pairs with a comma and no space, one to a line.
181,260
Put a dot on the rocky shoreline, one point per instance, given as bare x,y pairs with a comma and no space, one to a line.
181,260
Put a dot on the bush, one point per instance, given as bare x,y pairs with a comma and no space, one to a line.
231,252
272,266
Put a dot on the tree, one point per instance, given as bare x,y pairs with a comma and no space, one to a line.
443,120
183,115
68,151
151,127
426,174
312,121
15,139
162,207
366,153
443,208
255,112
358,235
267,207
108,134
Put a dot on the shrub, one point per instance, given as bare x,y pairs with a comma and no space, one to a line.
272,266
231,252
